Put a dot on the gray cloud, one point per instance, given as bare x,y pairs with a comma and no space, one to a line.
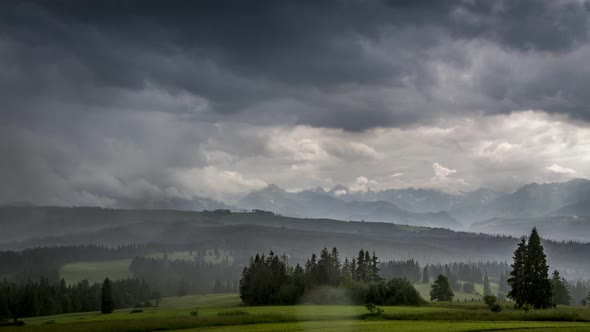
240,56
112,101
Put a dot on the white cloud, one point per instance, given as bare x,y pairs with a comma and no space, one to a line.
212,182
161,158
441,172
560,169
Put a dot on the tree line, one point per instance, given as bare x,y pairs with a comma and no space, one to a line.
181,277
270,280
44,298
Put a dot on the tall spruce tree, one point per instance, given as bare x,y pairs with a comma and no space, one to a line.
107,305
529,278
374,268
517,280
540,292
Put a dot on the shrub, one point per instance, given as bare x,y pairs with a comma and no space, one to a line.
135,311
492,303
496,308
490,300
374,310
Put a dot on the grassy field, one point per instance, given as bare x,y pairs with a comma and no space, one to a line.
119,269
174,314
95,271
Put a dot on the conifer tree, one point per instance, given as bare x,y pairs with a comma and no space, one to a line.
361,267
441,289
107,304
529,278
517,280
540,293
561,293
374,269
346,268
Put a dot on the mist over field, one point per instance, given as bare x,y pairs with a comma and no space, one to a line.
225,164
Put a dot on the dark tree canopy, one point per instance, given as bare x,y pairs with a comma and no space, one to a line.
441,289
529,278
561,292
270,280
107,305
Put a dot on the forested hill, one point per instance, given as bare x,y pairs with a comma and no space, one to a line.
248,233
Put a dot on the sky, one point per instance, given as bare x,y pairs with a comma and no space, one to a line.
115,103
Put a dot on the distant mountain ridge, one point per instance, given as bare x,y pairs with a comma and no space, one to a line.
426,206
320,204
563,228
536,200
537,203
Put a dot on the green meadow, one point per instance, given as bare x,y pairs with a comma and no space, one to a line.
119,269
95,271
223,312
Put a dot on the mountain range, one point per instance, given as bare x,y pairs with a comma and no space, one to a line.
535,203
561,208
320,204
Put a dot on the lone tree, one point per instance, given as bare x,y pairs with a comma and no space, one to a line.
106,301
561,293
441,289
529,278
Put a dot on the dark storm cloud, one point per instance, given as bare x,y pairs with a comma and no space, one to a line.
105,102
238,55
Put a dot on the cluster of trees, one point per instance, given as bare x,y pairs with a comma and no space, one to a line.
462,276
180,277
529,278
561,292
269,280
43,298
473,272
409,269
580,292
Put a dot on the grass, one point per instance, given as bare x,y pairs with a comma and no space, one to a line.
95,271
119,269
223,312
402,326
